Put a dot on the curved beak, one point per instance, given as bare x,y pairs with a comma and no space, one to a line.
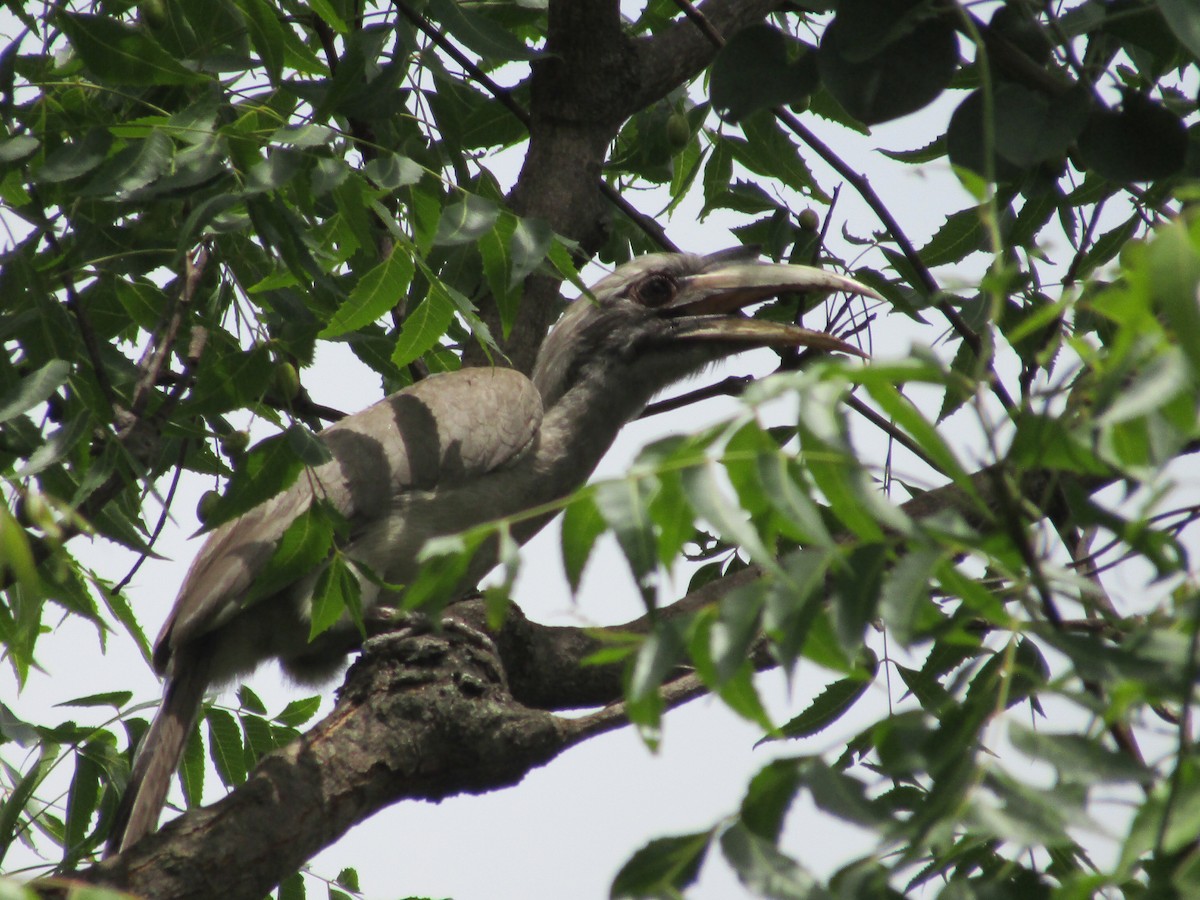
708,305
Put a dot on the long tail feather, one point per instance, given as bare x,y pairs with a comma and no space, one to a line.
158,756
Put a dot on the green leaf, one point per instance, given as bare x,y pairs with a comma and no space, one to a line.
324,9
304,546
880,65
20,789
479,33
857,581
759,67
1032,126
582,524
83,798
467,221
390,171
76,158
115,699
268,469
708,498
377,293
424,326
15,554
840,795
292,888
1173,257
35,388
133,168
624,507
905,592
1141,141
960,235
768,151
120,54
763,869
192,768
663,867
225,747
827,707
769,797
298,712
1079,759
1183,21
336,593
266,34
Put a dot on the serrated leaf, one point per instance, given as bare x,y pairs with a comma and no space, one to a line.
763,869
710,502
225,747
268,469
961,234
82,800
36,387
299,712
582,524
769,796
662,868
1078,758
376,294
826,708
479,33
192,768
424,326
121,54
115,699
624,507
304,545
336,593
467,221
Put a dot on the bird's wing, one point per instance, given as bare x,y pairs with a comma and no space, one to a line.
440,432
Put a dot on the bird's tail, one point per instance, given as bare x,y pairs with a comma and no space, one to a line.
158,756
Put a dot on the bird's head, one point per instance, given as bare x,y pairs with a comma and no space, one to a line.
664,316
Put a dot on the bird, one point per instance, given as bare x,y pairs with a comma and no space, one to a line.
450,452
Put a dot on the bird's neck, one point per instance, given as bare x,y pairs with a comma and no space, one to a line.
581,425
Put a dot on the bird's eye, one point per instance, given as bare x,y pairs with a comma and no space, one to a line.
655,290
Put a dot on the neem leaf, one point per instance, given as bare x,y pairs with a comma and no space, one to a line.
1141,141
1183,21
762,868
1032,127
267,470
758,67
467,221
121,54
913,59
375,294
424,325
663,867
34,388
965,141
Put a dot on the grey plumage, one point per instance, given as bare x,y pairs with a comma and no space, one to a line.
453,451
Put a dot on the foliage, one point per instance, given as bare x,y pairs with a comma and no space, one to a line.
198,195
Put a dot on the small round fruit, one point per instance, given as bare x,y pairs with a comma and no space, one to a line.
207,505
235,443
286,381
679,132
809,220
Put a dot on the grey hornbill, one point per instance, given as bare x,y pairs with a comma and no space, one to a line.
448,453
